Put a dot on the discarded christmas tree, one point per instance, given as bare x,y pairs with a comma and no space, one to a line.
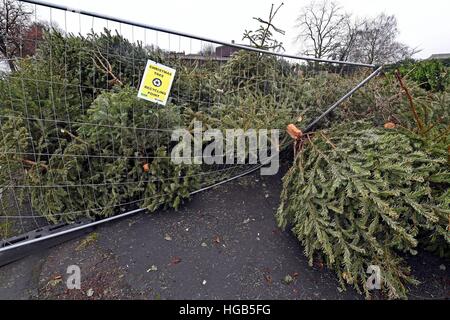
116,159
359,195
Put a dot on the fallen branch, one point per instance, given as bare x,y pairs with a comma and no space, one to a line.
410,99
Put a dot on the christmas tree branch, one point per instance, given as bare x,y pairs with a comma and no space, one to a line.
410,99
33,163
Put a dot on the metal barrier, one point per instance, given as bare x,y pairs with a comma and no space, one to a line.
57,98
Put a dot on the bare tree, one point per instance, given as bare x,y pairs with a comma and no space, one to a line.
326,31
208,50
321,25
378,41
14,23
348,40
32,36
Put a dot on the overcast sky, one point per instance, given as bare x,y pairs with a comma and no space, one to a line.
423,24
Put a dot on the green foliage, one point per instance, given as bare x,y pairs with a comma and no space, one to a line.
5,229
44,108
431,75
250,110
169,184
383,100
195,86
15,141
99,167
96,62
359,195
252,70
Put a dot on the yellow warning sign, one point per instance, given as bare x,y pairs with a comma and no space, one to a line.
156,83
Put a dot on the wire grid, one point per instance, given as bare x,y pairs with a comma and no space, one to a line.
176,51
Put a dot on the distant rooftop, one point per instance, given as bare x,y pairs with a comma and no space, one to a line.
440,56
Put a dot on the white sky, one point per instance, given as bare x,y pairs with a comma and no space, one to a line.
423,24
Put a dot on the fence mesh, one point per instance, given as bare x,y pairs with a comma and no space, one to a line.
76,140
